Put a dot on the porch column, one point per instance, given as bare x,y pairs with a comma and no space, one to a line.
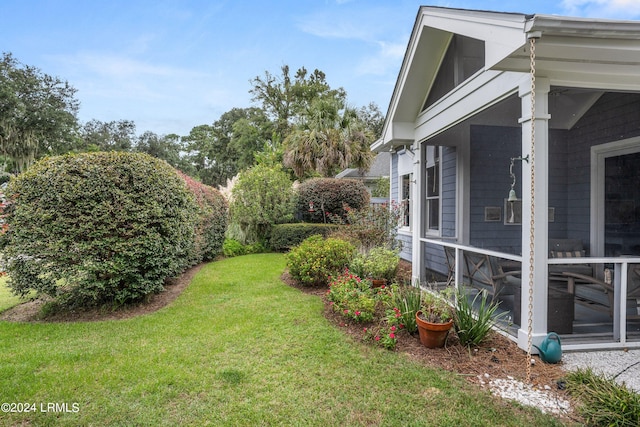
417,218
535,219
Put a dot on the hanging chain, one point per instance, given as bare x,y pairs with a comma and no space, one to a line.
532,44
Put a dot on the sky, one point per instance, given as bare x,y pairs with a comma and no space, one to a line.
171,65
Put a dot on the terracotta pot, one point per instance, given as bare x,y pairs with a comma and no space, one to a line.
376,283
432,335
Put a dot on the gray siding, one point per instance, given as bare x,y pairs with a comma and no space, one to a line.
449,171
615,116
492,147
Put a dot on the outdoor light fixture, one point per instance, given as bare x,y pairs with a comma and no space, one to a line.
512,192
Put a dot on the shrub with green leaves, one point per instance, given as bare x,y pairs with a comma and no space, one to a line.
232,247
286,236
352,297
379,263
603,402
98,228
316,259
473,319
213,218
262,197
330,195
371,226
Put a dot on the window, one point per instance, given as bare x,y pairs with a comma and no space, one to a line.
405,200
432,183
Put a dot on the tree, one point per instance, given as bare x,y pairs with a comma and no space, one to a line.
372,118
221,150
262,197
37,112
284,100
108,136
165,147
330,138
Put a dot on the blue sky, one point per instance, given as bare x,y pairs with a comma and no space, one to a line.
170,65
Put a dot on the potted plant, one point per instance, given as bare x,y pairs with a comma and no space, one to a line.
435,318
379,265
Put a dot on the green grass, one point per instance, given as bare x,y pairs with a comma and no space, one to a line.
7,299
237,348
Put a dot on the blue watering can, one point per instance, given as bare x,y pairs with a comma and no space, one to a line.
550,348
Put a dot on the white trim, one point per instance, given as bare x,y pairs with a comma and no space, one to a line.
599,153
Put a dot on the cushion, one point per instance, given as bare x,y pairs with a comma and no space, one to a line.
567,254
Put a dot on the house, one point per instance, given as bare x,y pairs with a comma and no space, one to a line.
515,145
370,178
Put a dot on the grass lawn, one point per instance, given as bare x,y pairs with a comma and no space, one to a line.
7,299
238,348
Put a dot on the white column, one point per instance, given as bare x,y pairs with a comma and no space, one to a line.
417,217
536,217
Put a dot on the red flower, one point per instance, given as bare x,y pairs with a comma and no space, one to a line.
392,335
393,329
377,338
357,313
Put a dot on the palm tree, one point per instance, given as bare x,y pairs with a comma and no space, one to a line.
328,139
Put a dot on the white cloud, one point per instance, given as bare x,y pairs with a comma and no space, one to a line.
616,9
328,25
387,58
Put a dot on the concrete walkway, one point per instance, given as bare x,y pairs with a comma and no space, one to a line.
622,366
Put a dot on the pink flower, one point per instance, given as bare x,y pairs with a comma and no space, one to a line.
392,335
393,329
357,313
346,311
364,330
377,338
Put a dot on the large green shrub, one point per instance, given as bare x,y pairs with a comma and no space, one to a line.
213,219
330,195
286,236
98,228
262,197
315,260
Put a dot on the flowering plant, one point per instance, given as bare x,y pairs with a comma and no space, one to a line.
385,336
352,297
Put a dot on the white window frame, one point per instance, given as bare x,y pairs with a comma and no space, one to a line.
406,202
433,158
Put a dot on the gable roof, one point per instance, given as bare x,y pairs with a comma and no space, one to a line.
576,52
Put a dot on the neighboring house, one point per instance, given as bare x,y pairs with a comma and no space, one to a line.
379,169
463,133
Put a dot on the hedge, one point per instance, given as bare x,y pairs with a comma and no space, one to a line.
212,226
329,195
286,236
98,228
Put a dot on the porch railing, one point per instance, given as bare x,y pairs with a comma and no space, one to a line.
620,284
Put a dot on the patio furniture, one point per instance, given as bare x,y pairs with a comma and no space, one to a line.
590,291
560,310
633,290
484,272
567,248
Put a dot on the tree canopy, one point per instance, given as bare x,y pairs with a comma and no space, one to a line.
299,121
37,112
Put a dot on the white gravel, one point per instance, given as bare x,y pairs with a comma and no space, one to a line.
621,365
544,398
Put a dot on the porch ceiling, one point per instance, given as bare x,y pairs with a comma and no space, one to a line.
566,107
588,53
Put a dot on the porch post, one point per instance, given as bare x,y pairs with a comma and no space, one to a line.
538,217
417,247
